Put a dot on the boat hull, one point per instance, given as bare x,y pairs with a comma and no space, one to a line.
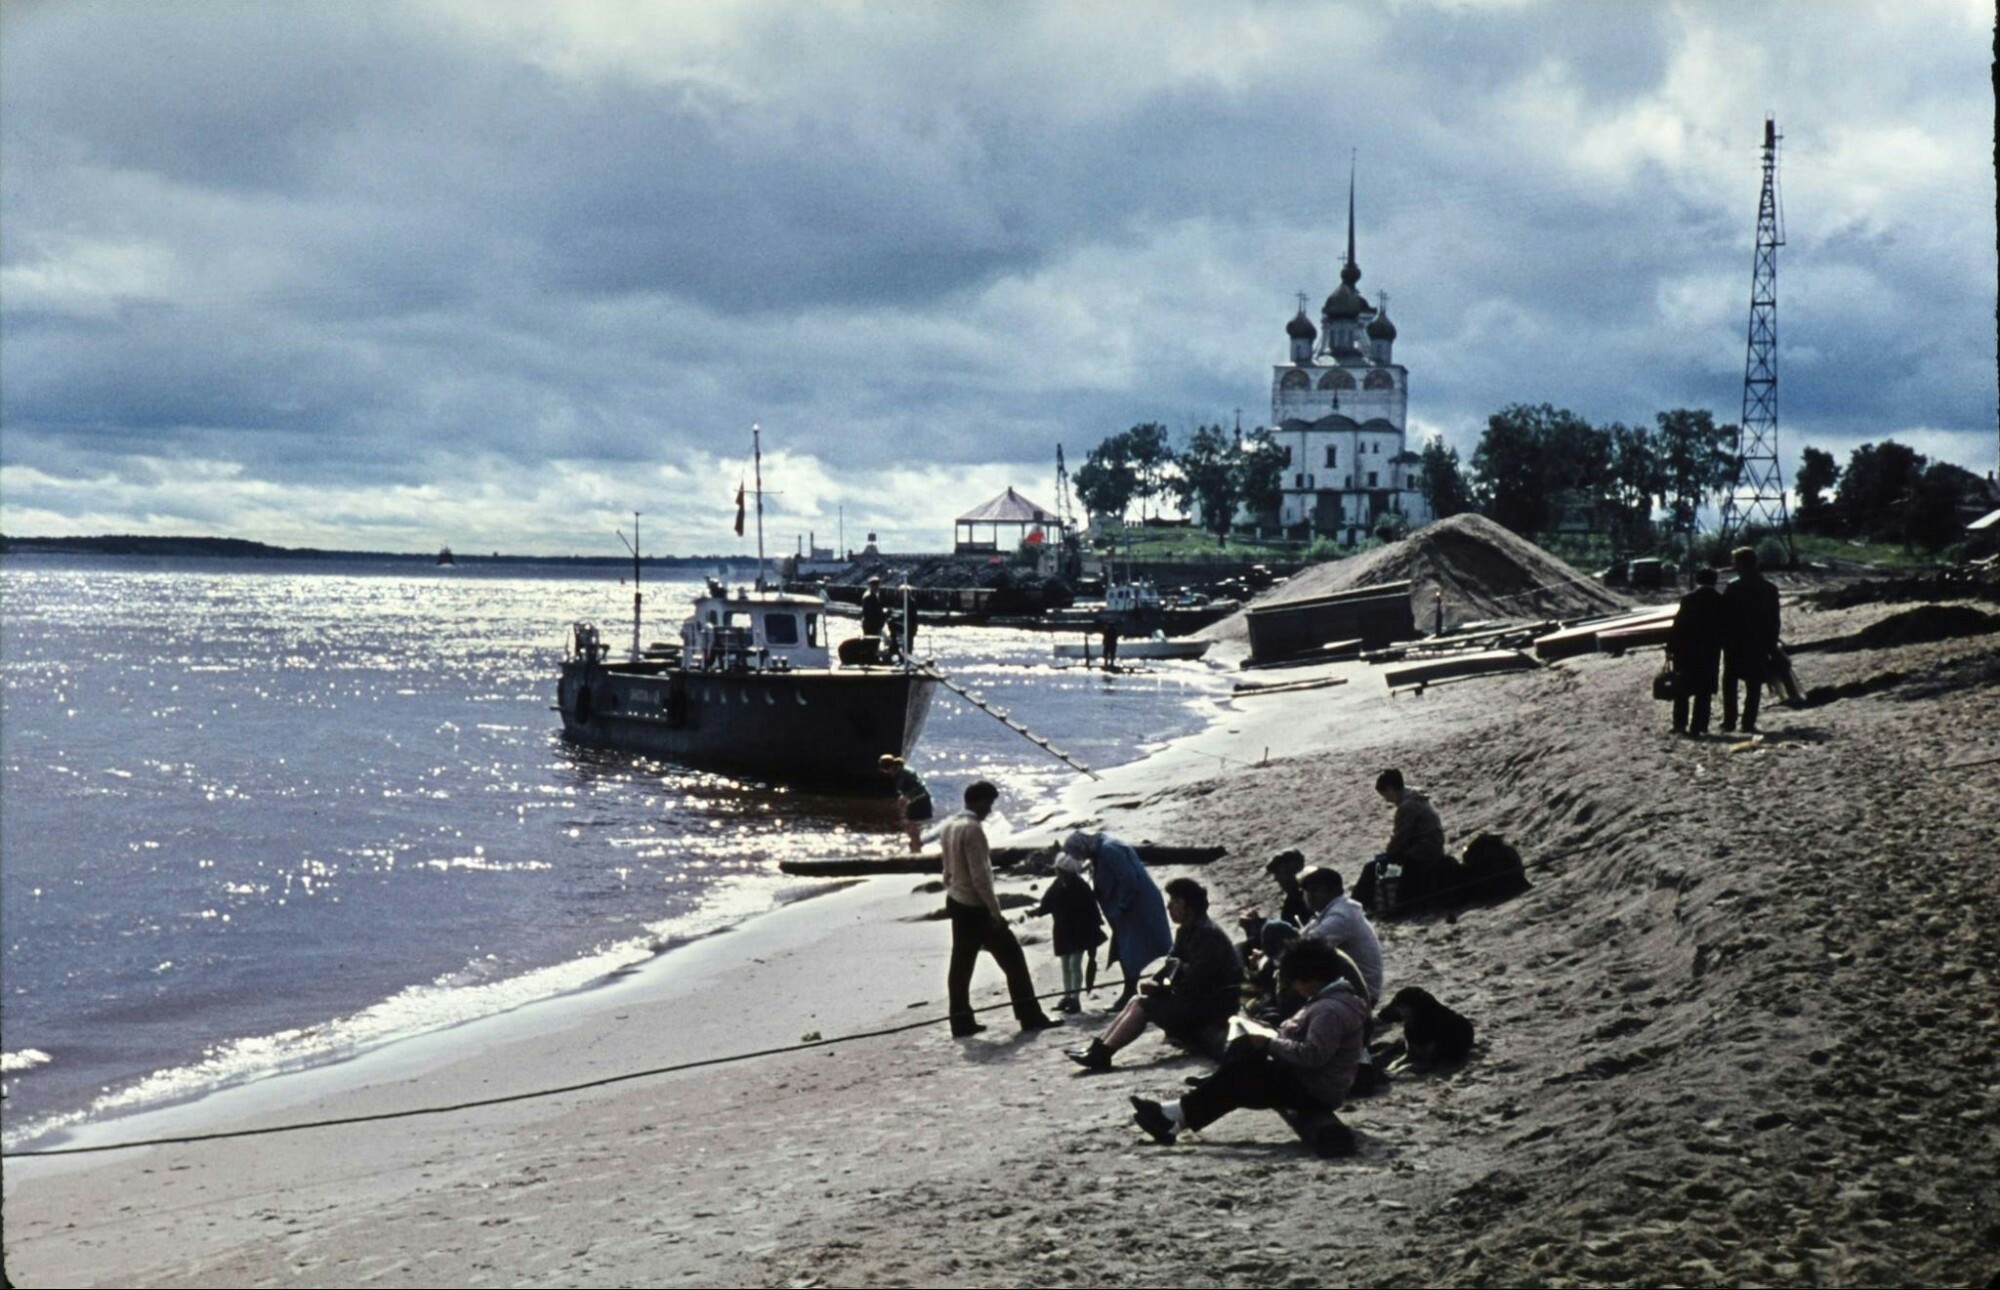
822,727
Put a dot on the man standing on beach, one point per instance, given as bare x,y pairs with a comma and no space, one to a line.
976,921
1750,638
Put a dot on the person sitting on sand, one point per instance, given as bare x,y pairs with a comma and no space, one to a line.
1193,998
1131,902
1079,928
1306,1066
911,795
1284,868
1342,923
976,921
1415,854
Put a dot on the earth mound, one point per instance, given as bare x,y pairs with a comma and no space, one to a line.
1482,570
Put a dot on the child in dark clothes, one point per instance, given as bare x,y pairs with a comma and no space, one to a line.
1079,928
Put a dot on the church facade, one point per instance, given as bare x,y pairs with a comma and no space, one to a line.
1338,409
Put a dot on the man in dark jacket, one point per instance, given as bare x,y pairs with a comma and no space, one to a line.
1749,638
874,613
1307,1066
1696,650
1194,998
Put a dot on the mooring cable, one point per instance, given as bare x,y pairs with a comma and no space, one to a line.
505,1098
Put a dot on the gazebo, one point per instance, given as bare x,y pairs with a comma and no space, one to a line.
1023,521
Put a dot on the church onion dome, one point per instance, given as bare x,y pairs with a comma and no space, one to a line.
1382,328
1345,302
1301,328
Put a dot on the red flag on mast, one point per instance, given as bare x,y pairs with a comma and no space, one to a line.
739,508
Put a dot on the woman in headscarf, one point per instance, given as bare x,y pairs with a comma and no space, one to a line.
1131,901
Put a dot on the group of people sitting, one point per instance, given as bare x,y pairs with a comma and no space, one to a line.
1286,1013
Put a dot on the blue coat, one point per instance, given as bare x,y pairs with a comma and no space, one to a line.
1132,904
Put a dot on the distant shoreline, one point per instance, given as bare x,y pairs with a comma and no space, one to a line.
244,549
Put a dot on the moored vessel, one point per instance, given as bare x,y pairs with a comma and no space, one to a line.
752,686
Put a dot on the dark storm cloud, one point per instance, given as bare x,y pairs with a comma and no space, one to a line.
357,247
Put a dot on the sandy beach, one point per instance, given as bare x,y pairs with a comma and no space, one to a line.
1741,1031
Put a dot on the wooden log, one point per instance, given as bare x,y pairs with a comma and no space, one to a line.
1618,640
1581,638
1449,667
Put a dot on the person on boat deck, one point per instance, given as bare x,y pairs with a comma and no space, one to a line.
1131,902
911,795
976,921
874,612
1193,999
1306,1068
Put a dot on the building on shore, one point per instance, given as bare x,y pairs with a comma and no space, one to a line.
1339,409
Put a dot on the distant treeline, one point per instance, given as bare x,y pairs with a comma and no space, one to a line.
240,548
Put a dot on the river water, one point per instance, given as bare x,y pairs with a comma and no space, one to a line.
258,815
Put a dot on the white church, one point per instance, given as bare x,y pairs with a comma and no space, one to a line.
1338,410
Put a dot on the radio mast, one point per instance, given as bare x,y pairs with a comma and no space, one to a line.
1757,500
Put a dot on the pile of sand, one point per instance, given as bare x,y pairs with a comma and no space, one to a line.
1482,570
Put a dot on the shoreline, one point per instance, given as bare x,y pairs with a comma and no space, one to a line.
1681,1072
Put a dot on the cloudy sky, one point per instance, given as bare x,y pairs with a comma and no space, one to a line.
390,275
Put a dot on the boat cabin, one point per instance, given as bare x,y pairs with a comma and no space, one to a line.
755,631
1132,598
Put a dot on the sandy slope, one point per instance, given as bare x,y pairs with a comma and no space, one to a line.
1742,1030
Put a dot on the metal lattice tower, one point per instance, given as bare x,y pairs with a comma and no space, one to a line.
1757,500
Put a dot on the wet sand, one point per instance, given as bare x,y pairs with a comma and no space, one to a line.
1741,1031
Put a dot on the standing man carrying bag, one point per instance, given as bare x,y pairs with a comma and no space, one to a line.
976,921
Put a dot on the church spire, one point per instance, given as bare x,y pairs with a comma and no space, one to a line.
1350,273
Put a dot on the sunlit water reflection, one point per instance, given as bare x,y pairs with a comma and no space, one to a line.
256,815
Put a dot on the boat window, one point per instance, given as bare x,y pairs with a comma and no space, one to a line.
740,618
812,630
781,629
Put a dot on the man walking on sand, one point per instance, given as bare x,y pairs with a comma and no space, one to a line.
976,921
1750,638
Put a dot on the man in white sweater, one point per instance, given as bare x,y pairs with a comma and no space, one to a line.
976,921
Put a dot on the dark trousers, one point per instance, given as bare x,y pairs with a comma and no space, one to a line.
1747,666
1694,680
973,928
1254,1079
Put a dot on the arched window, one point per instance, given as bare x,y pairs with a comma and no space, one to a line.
1295,380
1379,380
1336,381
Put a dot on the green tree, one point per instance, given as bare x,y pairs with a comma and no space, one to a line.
1532,459
1260,474
1207,479
1146,447
1817,474
1106,482
1877,489
1697,458
1442,480
1637,477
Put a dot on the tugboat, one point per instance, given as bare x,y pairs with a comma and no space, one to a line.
751,687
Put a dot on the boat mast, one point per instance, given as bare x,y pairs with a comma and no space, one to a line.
637,599
757,454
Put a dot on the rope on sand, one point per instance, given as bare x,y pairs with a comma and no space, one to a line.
504,1099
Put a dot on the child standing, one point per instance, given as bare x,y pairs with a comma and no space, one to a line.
1079,928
